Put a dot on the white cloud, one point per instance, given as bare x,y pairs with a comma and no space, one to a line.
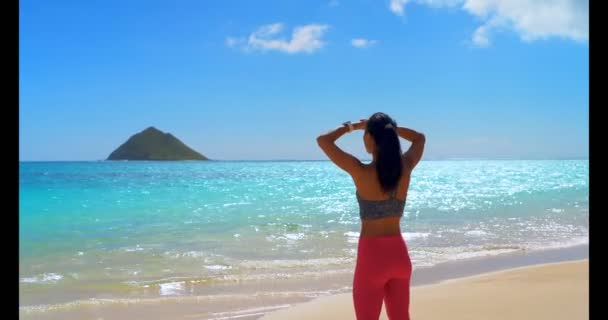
534,19
396,6
233,42
305,38
530,19
440,3
362,43
480,37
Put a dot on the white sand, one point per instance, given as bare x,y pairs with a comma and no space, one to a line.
551,291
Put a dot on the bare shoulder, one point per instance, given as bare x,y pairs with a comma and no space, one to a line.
366,172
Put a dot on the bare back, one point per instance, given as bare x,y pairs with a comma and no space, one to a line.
368,187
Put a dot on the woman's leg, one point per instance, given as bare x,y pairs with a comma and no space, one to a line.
397,299
367,294
368,287
397,289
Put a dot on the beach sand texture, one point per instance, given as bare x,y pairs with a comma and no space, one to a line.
551,291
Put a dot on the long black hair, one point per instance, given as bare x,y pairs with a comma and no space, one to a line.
383,130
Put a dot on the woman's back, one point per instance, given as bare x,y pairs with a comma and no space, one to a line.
370,195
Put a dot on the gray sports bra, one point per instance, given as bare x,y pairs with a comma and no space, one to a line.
375,209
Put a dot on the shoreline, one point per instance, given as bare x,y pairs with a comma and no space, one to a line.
253,305
506,261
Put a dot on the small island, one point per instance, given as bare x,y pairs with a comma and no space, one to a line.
153,144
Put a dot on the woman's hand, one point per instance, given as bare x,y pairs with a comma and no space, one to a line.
361,125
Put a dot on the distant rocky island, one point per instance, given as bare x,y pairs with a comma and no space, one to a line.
153,144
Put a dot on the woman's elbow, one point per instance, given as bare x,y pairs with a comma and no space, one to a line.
421,138
321,139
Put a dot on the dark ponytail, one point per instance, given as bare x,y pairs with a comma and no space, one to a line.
389,168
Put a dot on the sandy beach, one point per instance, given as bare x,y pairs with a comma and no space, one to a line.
549,291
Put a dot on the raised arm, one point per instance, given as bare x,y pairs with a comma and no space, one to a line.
413,155
342,159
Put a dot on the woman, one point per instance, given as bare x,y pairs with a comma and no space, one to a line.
383,264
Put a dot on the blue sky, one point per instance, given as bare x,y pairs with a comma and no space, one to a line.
261,79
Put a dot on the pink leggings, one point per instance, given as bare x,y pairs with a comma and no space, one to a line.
383,272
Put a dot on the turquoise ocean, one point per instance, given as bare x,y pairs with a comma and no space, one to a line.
93,231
